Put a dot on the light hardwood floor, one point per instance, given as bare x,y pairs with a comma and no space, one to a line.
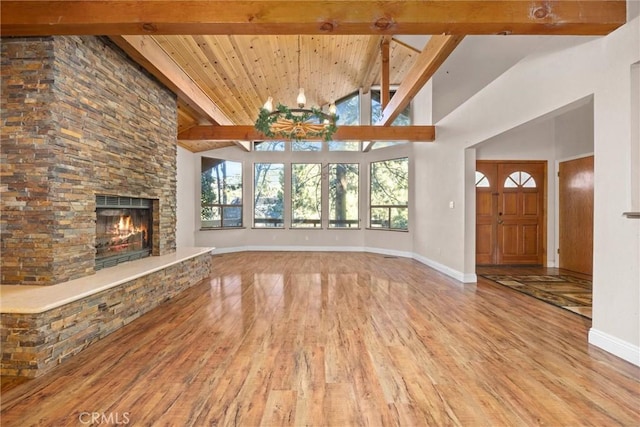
337,339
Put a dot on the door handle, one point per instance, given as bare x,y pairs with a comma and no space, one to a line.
500,221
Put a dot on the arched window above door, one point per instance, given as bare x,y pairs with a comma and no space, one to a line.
520,179
482,181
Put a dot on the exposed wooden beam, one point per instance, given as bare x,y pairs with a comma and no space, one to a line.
344,133
114,17
146,52
369,74
367,146
438,48
385,92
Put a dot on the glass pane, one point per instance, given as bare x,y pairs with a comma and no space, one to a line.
510,182
344,145
221,185
481,180
268,194
390,182
268,146
306,195
399,218
383,144
526,180
210,216
306,145
520,179
348,110
404,119
232,216
343,195
380,218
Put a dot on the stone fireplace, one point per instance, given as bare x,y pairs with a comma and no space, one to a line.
80,120
81,124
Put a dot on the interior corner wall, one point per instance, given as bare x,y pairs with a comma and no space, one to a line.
186,198
531,89
574,132
439,228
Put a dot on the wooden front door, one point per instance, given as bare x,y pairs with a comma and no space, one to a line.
575,210
486,213
510,213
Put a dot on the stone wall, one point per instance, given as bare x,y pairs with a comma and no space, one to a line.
79,119
33,344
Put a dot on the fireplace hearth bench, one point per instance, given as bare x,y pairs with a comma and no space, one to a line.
41,326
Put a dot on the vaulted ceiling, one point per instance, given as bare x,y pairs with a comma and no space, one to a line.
224,58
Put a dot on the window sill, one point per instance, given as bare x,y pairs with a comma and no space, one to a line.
397,230
222,228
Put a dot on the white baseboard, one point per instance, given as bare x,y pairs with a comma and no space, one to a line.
391,252
615,346
292,249
458,275
455,274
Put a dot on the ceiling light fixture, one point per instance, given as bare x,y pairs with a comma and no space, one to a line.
297,123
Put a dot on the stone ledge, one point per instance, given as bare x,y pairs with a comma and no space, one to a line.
38,299
36,342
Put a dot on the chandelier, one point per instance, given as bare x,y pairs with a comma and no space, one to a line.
296,123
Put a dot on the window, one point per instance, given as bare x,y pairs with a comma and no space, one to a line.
482,181
348,110
221,193
390,194
343,195
268,146
344,145
306,145
268,195
520,179
404,119
306,195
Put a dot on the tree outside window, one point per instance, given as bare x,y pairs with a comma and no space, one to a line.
306,195
268,195
343,195
389,207
221,193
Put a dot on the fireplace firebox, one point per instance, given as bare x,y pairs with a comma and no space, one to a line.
123,229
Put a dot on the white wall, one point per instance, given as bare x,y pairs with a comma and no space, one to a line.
531,89
186,199
574,132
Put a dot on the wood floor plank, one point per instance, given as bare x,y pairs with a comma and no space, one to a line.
337,339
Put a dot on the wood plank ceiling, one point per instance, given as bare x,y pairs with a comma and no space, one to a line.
224,58
239,72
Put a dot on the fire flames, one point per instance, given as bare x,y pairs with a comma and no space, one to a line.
124,229
122,235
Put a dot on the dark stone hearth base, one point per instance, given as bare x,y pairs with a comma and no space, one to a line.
33,344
